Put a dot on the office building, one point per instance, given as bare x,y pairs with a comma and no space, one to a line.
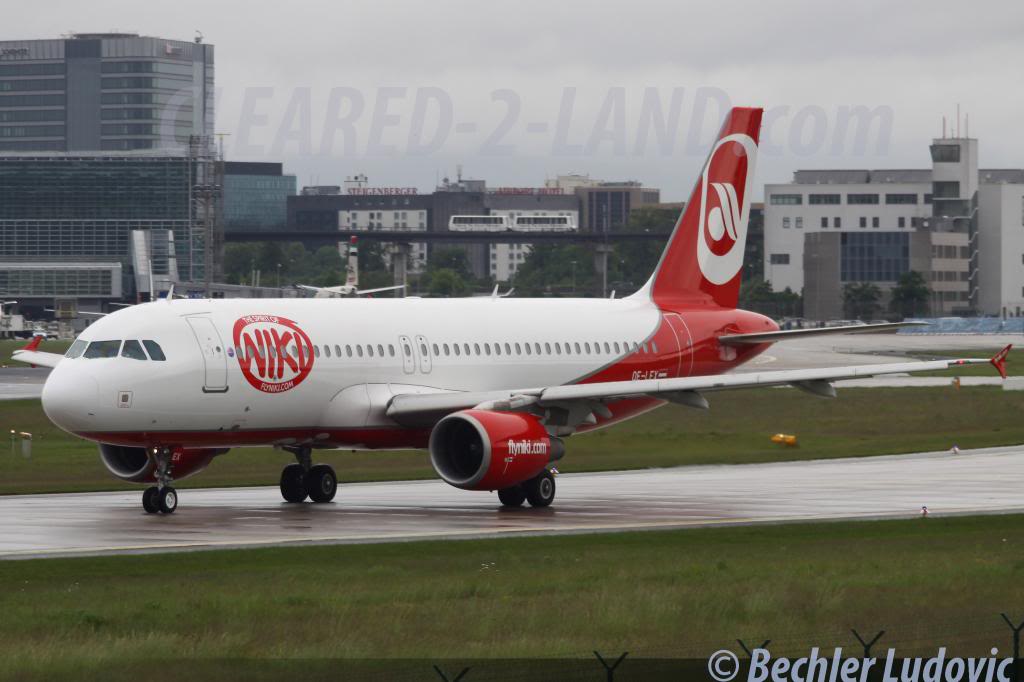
256,197
83,229
104,92
953,223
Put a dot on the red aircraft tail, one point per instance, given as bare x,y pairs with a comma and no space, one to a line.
703,261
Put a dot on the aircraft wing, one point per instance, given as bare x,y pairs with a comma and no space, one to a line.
362,292
34,357
784,334
423,408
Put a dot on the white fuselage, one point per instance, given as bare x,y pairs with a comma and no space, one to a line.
202,385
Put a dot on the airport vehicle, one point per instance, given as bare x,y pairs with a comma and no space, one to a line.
351,285
489,386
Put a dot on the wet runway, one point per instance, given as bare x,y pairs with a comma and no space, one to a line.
972,482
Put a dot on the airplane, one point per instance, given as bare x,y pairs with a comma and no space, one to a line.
351,285
490,387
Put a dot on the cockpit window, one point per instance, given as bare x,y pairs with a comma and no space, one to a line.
102,349
77,348
133,349
155,352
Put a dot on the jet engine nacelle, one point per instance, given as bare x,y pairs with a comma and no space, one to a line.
484,450
138,465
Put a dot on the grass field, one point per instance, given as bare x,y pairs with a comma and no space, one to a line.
736,430
673,594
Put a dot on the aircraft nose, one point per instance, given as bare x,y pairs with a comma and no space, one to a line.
70,399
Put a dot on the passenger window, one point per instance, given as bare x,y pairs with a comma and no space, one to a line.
447,350
616,347
423,350
607,348
408,351
487,349
456,347
380,349
465,347
391,350
133,349
527,348
348,350
577,345
586,347
77,348
558,348
536,347
436,350
476,348
359,349
508,349
327,350
369,350
102,349
519,351
547,348
316,351
337,350
497,349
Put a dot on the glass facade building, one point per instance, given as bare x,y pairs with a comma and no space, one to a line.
79,209
256,196
874,256
105,91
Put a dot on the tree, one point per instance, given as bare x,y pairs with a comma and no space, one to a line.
757,295
860,300
451,258
446,282
910,295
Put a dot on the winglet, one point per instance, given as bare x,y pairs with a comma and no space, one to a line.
999,360
34,343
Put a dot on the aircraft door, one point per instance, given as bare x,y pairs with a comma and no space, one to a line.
405,348
423,352
684,343
215,359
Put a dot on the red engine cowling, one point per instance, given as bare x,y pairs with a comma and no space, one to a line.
483,450
138,466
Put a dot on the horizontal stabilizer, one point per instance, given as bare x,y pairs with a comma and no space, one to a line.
784,334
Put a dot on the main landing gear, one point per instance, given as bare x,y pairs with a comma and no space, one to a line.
304,479
539,491
161,497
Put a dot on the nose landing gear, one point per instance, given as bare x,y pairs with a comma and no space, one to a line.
304,479
161,497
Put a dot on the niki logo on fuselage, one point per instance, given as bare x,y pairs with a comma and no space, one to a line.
725,207
274,353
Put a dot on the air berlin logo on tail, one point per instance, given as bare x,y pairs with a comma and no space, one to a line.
274,353
724,213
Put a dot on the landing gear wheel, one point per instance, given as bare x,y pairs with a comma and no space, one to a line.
167,499
321,483
540,490
149,502
512,497
293,484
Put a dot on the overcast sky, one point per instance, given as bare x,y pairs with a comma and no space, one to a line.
520,91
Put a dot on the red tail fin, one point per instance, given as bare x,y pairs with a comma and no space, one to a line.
999,360
703,261
34,343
